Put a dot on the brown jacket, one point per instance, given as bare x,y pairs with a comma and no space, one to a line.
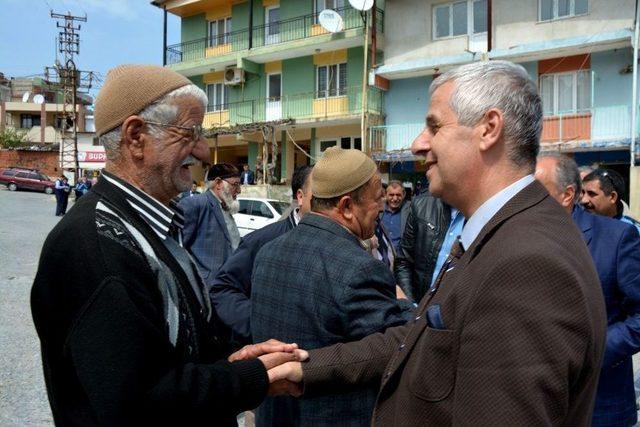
523,337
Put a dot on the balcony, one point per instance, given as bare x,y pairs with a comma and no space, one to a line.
596,129
283,39
302,107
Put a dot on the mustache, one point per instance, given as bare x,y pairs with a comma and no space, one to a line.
190,161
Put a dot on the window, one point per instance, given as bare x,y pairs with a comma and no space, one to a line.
556,9
244,207
460,18
566,93
337,5
331,80
218,97
219,32
345,142
27,121
274,86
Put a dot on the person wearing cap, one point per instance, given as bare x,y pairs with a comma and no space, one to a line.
317,285
128,336
513,331
210,233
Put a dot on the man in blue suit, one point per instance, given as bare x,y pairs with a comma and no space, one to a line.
231,288
210,233
615,249
246,177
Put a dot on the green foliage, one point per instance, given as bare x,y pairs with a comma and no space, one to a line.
12,138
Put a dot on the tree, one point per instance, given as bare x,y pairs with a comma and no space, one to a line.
11,138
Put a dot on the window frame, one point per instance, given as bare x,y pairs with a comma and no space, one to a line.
575,110
470,21
212,105
340,91
338,8
228,24
554,13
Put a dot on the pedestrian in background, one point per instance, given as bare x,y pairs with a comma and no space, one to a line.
61,191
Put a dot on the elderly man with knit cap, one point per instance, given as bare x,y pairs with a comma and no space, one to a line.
128,338
210,233
317,285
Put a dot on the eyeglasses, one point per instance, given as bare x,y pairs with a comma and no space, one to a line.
196,131
235,185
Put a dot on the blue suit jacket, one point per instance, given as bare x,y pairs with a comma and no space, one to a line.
205,234
231,289
615,249
317,286
250,177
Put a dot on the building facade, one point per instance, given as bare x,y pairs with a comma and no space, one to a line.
280,86
578,51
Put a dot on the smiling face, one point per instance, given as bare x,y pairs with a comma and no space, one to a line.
367,209
448,149
167,159
394,196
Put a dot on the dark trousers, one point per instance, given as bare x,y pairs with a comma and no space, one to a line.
62,199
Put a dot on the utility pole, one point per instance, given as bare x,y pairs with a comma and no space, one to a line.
71,79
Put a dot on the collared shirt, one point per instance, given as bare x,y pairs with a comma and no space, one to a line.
488,209
165,221
392,221
454,230
296,216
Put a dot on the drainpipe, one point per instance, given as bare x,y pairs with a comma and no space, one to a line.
374,32
634,93
489,29
164,37
250,24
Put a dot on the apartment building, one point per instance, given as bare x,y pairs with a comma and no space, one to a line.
277,81
579,52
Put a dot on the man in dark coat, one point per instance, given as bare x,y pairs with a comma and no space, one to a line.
615,249
513,331
247,176
231,289
127,334
210,233
317,285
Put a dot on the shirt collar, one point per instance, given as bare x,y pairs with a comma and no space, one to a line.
159,217
296,215
488,209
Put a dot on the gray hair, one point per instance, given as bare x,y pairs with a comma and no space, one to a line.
480,86
162,110
567,173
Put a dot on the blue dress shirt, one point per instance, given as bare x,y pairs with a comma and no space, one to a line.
454,230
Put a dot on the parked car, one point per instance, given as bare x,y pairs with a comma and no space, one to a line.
29,179
255,213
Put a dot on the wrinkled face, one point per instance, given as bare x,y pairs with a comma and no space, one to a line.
395,196
595,201
168,159
447,148
366,210
228,188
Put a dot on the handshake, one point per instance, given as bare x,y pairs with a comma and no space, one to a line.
282,362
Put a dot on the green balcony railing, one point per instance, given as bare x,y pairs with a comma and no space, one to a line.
274,33
299,106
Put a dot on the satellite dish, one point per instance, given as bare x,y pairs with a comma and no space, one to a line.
331,21
25,97
361,4
38,99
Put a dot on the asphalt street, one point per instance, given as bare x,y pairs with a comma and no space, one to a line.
27,218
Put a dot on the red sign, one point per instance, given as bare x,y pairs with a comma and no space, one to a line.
92,156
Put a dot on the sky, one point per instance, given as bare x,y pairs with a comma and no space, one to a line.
116,32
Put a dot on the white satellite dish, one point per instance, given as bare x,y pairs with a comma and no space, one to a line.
38,99
331,21
25,97
361,4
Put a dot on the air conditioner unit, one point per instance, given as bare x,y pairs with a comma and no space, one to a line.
233,76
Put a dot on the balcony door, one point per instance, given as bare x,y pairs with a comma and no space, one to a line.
272,25
274,97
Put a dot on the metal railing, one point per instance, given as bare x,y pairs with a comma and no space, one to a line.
595,127
299,106
278,32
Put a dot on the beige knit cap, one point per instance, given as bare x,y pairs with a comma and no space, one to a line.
128,89
340,171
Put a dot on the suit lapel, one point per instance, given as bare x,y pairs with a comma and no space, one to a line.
217,212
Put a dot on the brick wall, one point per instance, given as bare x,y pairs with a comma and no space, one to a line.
44,161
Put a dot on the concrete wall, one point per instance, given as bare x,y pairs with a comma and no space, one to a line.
515,23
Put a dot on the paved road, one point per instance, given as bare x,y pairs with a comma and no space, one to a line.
27,218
